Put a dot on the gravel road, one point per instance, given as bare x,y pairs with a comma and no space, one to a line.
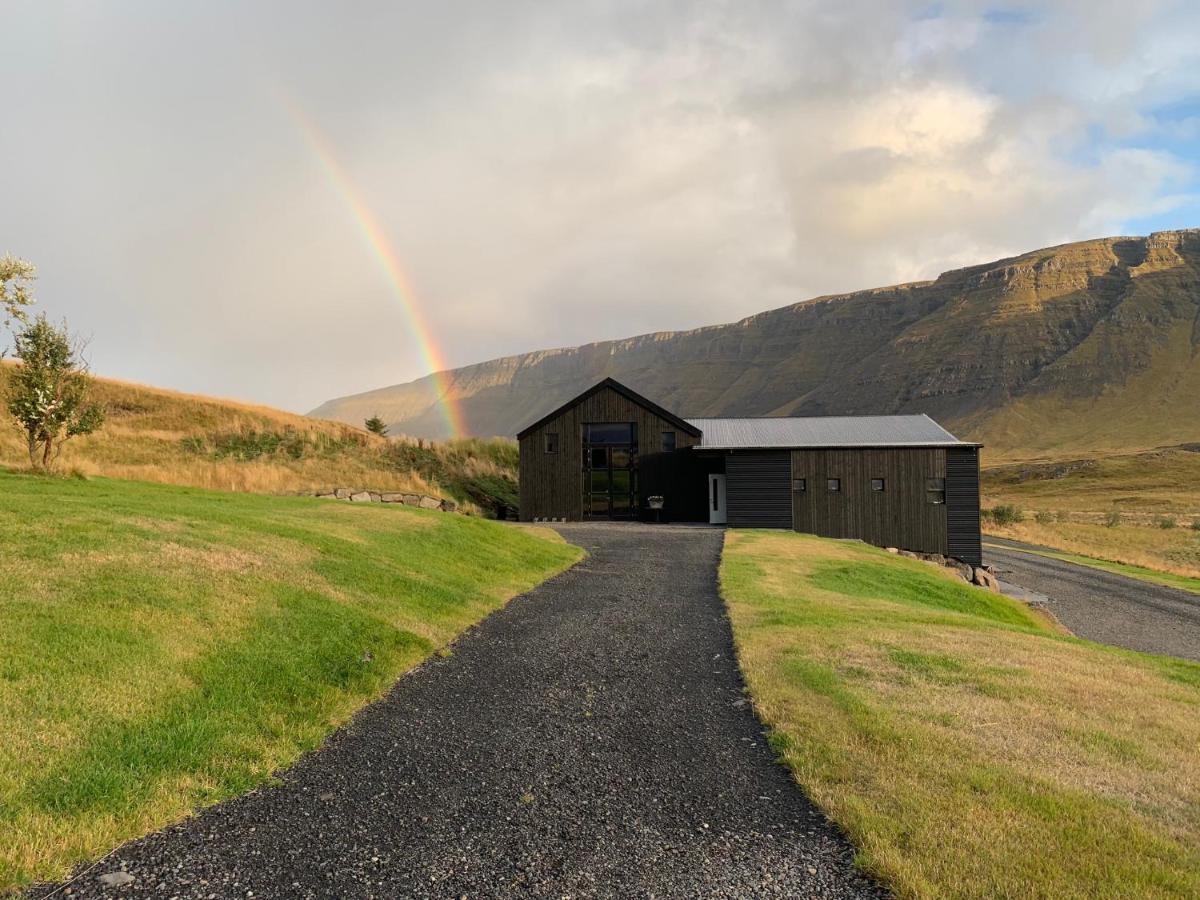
590,739
1103,606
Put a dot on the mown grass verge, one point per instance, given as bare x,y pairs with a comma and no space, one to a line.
1141,573
966,747
163,648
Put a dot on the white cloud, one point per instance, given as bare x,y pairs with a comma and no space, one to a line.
552,173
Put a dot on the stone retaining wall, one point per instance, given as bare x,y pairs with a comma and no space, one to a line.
983,576
359,495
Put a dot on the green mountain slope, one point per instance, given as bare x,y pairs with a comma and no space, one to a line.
1087,346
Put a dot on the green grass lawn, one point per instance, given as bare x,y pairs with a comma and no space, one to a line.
1183,582
966,746
162,648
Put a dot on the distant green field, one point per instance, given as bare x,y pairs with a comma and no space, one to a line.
967,747
1140,510
162,648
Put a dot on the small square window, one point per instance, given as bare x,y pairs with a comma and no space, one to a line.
668,441
877,485
833,484
799,485
551,441
935,490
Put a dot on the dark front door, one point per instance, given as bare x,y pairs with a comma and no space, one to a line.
610,470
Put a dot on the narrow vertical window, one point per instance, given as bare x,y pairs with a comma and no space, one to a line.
551,439
935,490
668,441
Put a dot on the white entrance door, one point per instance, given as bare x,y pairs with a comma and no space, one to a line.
716,500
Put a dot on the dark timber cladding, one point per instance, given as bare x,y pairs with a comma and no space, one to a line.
894,480
757,486
962,505
552,480
906,510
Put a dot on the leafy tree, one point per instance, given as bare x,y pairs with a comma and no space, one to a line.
376,425
15,277
48,392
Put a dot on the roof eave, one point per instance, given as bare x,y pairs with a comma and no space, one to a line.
915,445
626,392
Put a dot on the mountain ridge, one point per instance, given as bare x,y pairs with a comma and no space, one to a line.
1016,352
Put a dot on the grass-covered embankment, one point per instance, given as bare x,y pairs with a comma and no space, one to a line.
163,648
966,747
167,437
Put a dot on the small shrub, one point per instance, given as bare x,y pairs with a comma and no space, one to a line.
1007,514
1166,522
49,392
1043,517
1113,519
1196,524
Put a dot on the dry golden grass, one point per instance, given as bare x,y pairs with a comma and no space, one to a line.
967,749
1067,503
1174,550
143,440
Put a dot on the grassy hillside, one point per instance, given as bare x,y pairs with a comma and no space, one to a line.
166,647
168,437
968,748
1091,346
1142,509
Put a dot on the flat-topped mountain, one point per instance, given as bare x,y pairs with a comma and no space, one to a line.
1091,345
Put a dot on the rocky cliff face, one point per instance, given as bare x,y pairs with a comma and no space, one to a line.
1091,345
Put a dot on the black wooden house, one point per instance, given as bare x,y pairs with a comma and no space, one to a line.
898,481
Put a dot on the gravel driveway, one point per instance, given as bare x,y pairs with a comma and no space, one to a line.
590,739
1103,606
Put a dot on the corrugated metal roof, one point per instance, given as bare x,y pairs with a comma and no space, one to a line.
824,431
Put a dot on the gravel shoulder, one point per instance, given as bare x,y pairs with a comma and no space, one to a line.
592,738
1103,606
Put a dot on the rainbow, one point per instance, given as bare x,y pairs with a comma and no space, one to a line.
377,240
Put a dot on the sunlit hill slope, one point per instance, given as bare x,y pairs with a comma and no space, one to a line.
1092,346
158,435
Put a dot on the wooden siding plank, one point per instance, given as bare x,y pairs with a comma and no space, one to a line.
552,483
964,539
757,489
900,516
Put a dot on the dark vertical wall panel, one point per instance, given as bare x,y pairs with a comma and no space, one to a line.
758,489
899,516
962,505
552,483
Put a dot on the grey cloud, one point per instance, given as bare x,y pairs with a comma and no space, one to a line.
548,173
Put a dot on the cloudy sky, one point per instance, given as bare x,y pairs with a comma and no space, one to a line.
549,173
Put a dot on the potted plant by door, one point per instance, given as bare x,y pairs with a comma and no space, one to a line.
655,503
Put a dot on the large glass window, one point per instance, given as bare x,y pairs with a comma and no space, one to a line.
610,454
609,433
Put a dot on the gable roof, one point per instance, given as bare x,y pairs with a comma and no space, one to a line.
824,431
628,394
